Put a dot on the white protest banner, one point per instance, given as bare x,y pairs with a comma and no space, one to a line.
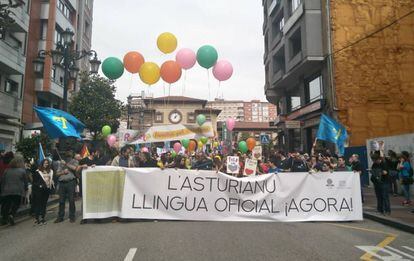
250,166
257,152
149,193
233,166
127,136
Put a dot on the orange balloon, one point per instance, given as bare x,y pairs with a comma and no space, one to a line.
192,146
251,143
170,71
133,61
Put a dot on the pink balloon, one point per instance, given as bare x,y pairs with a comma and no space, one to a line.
111,140
222,70
186,58
144,149
177,147
230,123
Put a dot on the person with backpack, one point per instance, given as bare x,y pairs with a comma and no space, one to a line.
406,177
381,180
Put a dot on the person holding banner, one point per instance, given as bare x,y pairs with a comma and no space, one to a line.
124,159
67,186
41,187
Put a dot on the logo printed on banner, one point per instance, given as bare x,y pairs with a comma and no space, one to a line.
329,183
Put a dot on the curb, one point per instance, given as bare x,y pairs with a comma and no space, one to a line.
26,211
390,222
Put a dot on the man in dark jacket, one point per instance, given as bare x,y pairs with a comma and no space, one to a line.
381,179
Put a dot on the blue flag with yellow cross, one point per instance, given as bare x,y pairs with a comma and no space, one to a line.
59,124
330,130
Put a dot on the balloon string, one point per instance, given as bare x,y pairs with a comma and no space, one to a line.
208,84
163,87
183,89
219,87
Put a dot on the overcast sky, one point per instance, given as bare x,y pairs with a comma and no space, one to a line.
233,27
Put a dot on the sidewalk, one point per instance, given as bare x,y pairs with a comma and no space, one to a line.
401,216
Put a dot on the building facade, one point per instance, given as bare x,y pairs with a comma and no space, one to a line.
253,111
296,71
48,19
13,53
145,112
349,59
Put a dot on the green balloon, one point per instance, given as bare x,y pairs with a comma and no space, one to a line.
106,130
185,143
207,56
173,154
201,118
113,68
203,140
243,146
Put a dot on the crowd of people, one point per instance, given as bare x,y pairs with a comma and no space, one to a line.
61,173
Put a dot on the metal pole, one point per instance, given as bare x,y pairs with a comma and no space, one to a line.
66,64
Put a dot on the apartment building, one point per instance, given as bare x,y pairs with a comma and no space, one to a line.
48,19
13,53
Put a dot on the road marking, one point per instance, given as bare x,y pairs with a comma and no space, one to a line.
400,252
131,254
382,244
368,255
409,248
365,229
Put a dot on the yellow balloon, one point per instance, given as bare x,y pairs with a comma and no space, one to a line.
215,144
167,42
149,73
200,144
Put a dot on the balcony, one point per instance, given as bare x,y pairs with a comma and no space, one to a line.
10,106
12,61
21,18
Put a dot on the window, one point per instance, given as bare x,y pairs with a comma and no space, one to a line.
279,61
314,89
58,35
294,103
295,43
294,4
64,9
191,117
159,117
87,29
43,29
12,87
281,24
208,117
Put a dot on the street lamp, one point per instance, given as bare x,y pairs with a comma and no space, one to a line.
64,57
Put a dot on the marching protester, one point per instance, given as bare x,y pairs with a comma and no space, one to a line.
13,188
41,187
123,159
341,165
356,167
67,186
392,163
406,176
381,180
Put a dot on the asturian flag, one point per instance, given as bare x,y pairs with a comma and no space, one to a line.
59,124
330,130
41,156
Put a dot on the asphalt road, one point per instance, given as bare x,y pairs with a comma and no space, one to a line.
176,240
